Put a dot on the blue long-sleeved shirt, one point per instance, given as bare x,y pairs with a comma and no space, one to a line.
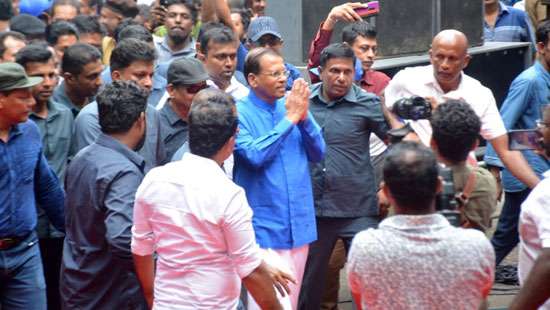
529,92
271,164
25,179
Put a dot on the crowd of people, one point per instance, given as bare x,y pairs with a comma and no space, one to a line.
165,155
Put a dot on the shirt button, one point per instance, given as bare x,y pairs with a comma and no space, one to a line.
324,169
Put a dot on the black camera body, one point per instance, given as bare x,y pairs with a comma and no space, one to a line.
446,203
413,108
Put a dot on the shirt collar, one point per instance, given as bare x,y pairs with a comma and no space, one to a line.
53,111
260,103
172,116
188,48
113,144
365,79
316,91
502,9
15,130
64,99
546,174
416,222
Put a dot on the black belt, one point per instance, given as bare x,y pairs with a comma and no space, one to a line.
10,242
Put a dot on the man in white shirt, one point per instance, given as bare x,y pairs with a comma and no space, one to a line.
218,53
443,80
534,230
199,223
416,259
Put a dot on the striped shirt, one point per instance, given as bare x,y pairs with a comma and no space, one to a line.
512,25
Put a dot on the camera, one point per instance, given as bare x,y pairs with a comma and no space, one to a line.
446,203
413,108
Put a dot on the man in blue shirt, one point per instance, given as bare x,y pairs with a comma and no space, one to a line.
503,23
529,92
97,270
25,180
276,140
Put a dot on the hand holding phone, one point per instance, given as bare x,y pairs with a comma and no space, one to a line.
524,139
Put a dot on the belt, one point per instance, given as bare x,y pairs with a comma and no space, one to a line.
10,242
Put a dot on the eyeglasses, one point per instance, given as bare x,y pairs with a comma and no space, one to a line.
195,88
542,124
277,74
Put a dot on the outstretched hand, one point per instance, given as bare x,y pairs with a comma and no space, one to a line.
280,280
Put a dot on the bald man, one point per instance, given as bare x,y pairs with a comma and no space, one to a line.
443,79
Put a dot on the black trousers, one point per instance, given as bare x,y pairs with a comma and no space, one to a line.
51,250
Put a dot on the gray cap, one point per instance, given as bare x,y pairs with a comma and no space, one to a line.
13,76
263,25
186,71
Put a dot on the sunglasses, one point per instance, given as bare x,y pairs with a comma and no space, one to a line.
195,88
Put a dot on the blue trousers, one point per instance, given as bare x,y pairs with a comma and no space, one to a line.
22,285
506,236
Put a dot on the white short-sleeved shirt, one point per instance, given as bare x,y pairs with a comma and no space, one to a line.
420,81
200,225
534,229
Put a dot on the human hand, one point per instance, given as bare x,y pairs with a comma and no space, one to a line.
297,101
280,280
158,15
495,171
433,102
343,12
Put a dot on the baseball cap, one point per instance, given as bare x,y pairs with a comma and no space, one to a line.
13,76
186,71
263,25
34,7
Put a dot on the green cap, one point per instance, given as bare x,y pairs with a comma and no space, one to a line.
13,76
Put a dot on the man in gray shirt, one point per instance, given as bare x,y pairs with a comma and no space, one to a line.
55,123
97,270
131,60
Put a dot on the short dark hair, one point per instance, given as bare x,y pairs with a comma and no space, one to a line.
126,8
129,51
123,24
73,3
455,128
7,34
246,16
77,56
543,30
212,122
360,28
35,52
219,35
88,24
60,28
136,32
253,58
411,173
6,10
336,50
188,4
119,105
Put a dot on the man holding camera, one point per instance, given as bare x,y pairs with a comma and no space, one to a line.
404,264
455,134
444,79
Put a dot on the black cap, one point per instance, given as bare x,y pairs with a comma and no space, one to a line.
28,25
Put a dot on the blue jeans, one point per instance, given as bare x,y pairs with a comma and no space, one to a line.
22,283
506,236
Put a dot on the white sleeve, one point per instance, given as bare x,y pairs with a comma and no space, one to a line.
492,125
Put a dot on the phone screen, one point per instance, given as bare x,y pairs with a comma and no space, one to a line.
528,139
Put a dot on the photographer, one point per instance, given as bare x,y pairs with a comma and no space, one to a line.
416,259
455,133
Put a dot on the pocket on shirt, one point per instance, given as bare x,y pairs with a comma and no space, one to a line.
26,165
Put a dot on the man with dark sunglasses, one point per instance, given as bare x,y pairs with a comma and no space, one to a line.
186,77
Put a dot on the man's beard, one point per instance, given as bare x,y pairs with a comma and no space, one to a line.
178,38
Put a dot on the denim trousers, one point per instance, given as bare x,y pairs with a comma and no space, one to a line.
506,236
22,285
